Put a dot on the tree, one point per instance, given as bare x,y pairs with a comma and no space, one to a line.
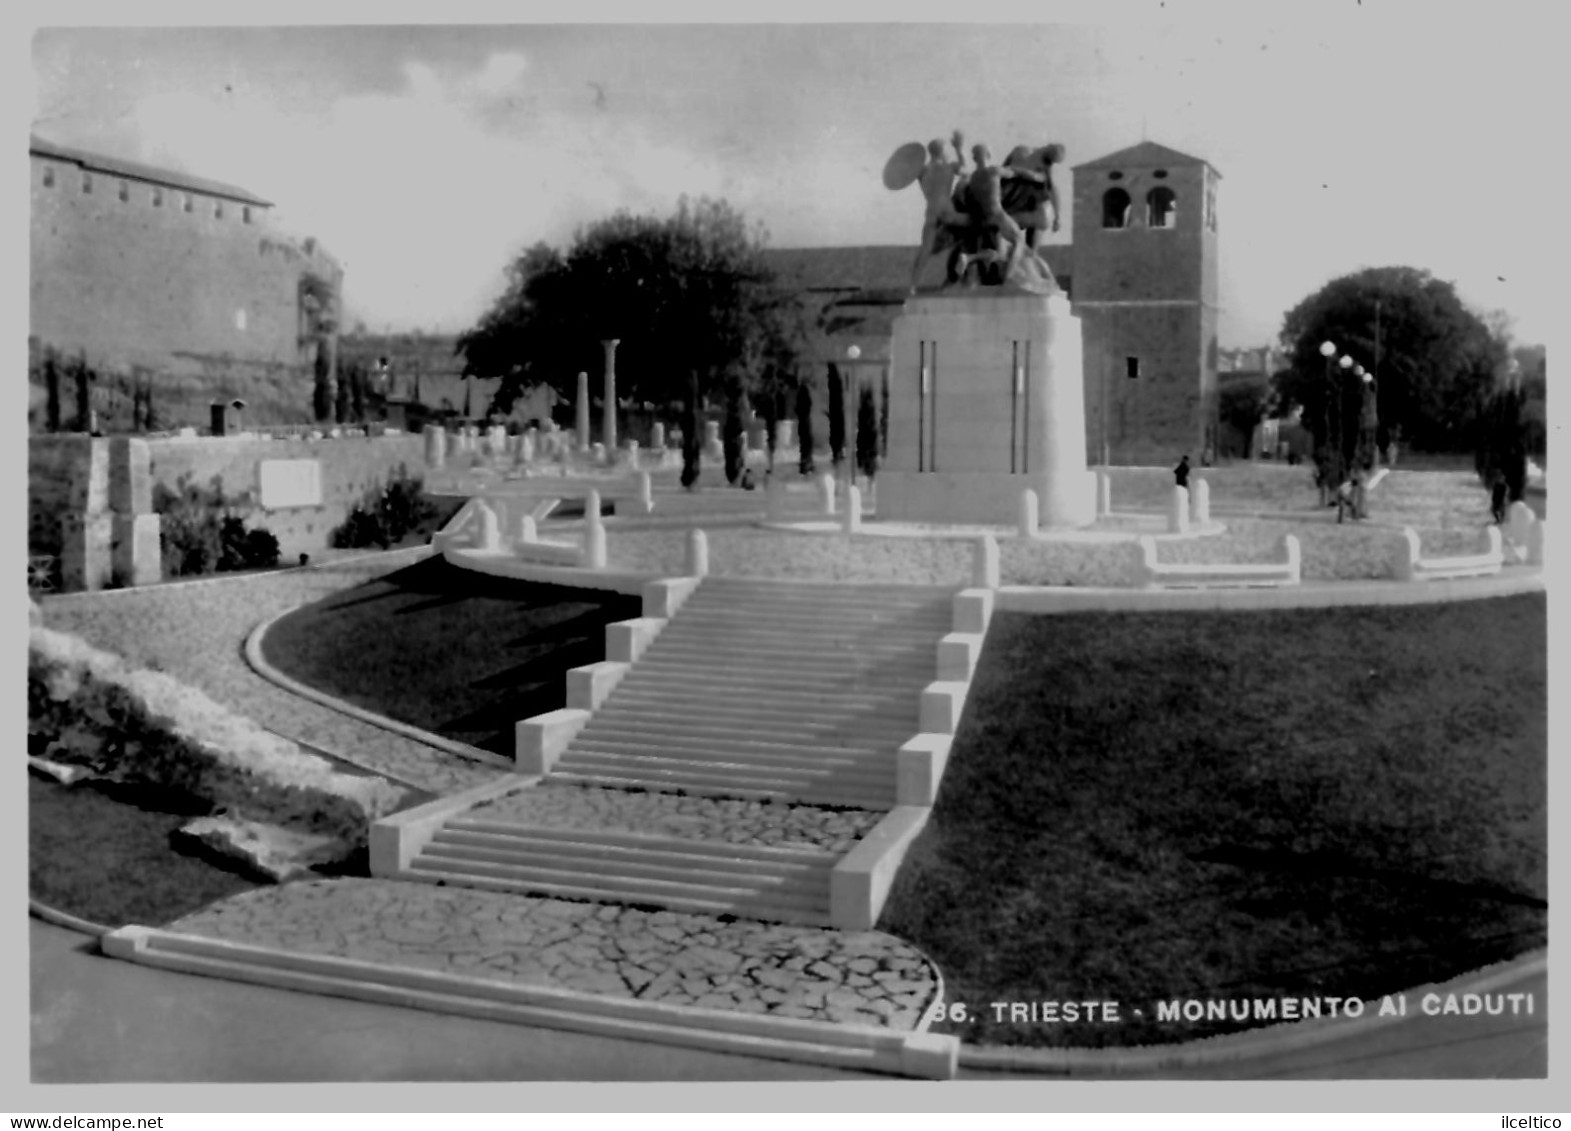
867,434
837,416
690,297
804,429
1434,369
732,431
1243,405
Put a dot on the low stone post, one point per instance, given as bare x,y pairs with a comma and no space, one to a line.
646,497
826,493
594,533
1536,537
87,527
1178,511
657,436
1200,502
1404,555
526,449
632,453
853,519
598,453
984,563
526,529
697,554
1295,557
1030,514
1104,494
490,536
713,448
435,446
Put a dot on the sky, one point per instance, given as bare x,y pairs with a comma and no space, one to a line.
426,157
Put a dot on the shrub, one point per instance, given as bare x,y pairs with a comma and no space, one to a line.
388,514
201,531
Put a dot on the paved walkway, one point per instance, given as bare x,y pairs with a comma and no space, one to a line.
97,1020
865,978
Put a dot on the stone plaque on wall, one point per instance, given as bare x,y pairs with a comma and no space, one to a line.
291,483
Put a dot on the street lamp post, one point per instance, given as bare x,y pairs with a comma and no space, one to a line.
1327,351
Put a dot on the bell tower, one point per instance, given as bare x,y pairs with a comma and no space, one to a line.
1145,289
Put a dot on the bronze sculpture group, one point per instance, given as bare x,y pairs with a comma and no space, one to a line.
987,218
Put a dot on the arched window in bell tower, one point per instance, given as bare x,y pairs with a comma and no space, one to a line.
1115,208
1161,208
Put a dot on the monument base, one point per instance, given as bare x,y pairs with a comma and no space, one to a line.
1065,499
986,400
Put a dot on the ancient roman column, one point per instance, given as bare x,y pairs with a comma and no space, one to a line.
583,412
610,393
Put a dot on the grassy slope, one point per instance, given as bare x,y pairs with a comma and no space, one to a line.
454,652
1335,802
103,853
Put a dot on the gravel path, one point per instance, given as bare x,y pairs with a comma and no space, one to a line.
861,977
196,631
727,820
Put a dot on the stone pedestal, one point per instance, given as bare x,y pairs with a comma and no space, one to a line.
986,399
134,552
89,489
130,476
86,561
435,446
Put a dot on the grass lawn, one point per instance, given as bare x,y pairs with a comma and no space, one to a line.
1330,802
102,852
452,651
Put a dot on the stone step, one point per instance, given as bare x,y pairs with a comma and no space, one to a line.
681,706
449,854
642,843
825,619
584,846
696,690
860,731
785,792
913,660
661,672
759,589
833,744
630,895
739,750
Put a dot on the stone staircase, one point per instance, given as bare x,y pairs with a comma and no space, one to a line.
771,690
704,877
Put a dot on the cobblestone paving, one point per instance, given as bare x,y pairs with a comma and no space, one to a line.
676,815
196,632
857,977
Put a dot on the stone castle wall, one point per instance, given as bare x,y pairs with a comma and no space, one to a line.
124,273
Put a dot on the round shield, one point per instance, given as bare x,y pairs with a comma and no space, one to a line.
905,166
